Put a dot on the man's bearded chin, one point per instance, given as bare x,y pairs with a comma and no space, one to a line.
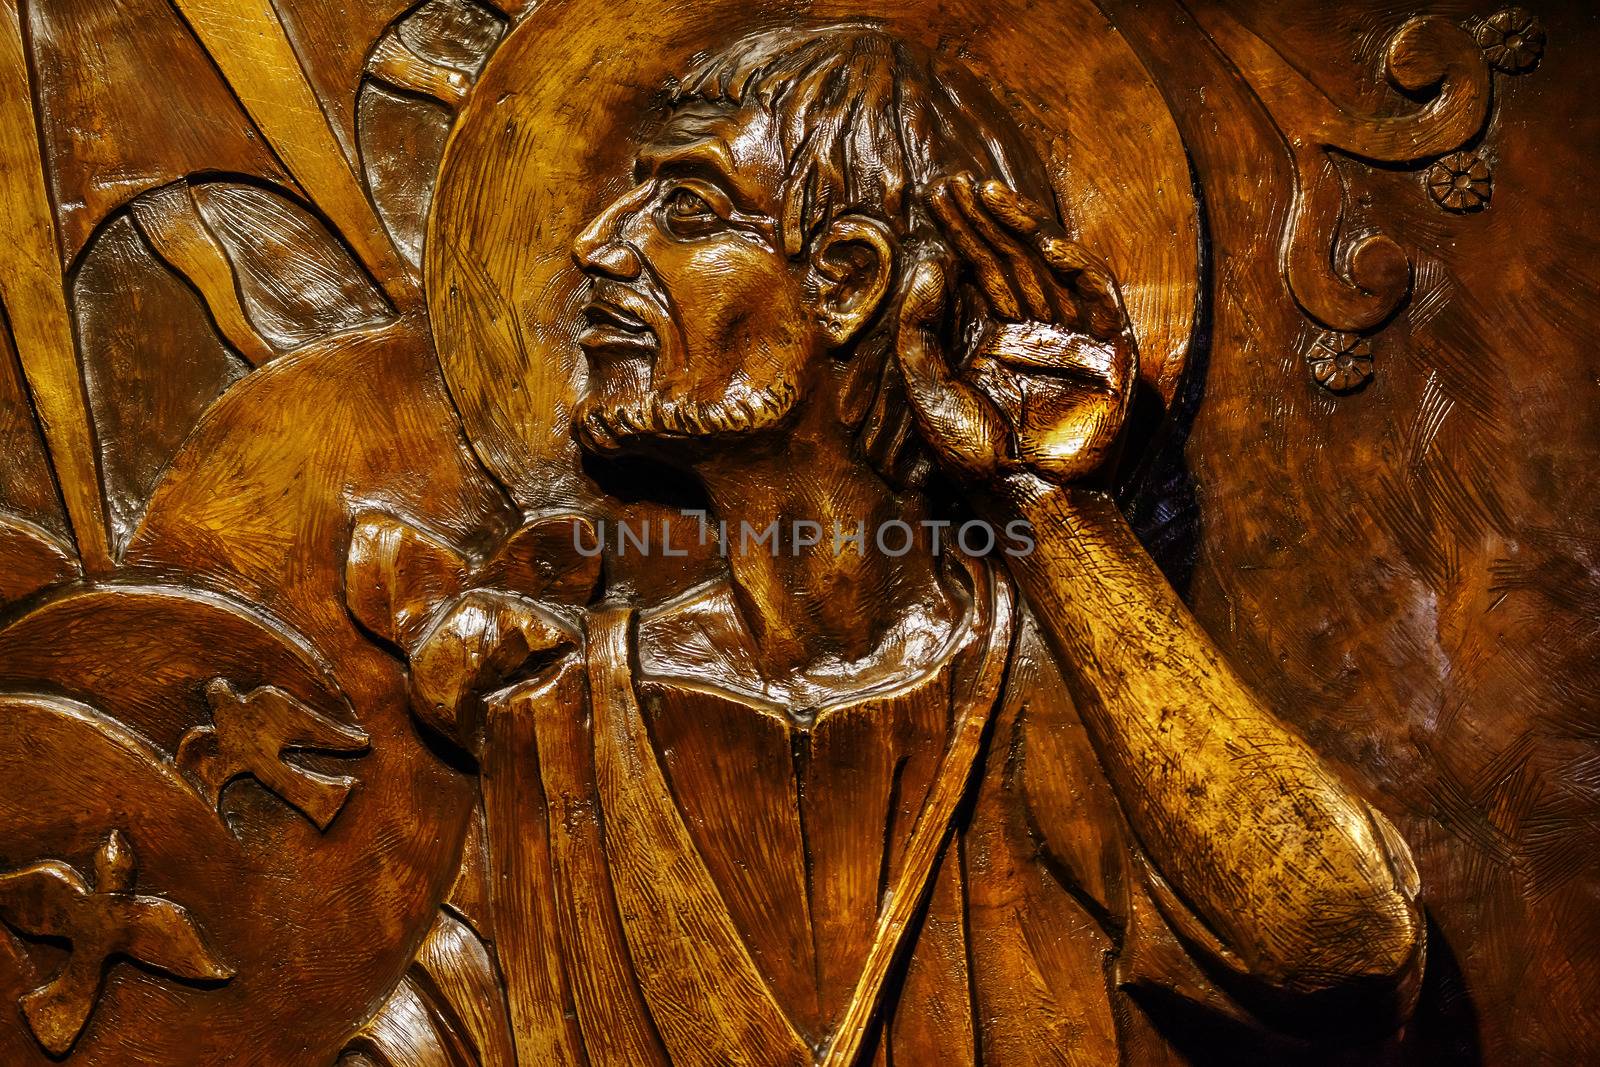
609,424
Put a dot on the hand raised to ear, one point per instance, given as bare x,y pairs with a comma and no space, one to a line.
1049,384
960,423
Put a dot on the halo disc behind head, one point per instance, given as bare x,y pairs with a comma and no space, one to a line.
547,138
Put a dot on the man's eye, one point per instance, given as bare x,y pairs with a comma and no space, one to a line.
686,206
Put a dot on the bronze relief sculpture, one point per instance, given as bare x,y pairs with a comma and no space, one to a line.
639,533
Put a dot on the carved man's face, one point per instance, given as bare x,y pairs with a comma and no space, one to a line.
696,320
698,325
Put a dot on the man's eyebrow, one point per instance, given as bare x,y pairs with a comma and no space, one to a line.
708,159
674,166
704,158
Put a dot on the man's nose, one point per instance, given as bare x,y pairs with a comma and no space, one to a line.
601,249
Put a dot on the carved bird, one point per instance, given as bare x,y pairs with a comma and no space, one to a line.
250,733
51,899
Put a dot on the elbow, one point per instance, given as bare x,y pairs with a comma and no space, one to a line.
1400,941
1396,933
1374,937
1383,925
1355,964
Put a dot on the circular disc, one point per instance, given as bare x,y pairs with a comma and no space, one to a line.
547,139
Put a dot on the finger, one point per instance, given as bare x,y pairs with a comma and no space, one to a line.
1031,281
1018,214
1067,258
957,421
1094,289
1030,221
1034,347
1077,443
1124,362
1097,293
955,418
927,292
1102,322
991,278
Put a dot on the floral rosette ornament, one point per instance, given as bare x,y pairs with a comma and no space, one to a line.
1460,182
1512,40
1341,362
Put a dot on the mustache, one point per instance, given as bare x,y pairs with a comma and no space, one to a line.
612,303
608,426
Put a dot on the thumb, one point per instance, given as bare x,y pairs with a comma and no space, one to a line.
955,419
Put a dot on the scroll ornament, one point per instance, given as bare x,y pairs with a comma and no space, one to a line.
1352,286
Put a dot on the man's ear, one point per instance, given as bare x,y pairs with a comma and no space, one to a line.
854,266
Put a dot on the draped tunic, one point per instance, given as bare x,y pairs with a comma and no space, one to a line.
681,871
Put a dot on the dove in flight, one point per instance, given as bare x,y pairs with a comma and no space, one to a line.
51,899
248,736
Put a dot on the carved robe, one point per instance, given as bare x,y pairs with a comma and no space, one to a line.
683,873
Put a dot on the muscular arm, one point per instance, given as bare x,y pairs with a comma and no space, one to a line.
1295,879
1260,857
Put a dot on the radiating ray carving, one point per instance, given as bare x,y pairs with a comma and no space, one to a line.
31,288
251,48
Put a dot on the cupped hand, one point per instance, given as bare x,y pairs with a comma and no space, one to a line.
1047,387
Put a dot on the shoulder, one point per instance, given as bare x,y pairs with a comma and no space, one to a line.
697,635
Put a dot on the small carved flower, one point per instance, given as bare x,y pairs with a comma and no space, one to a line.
1459,182
1341,362
1511,39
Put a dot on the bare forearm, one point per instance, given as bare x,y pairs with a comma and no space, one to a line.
1236,812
